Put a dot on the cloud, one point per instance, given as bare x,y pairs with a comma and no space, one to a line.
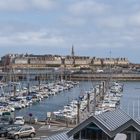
134,19
112,22
13,5
73,21
31,38
23,5
44,4
96,25
12,27
128,38
88,7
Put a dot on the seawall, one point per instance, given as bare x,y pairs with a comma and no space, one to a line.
104,76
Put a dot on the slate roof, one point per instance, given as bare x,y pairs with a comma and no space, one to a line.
113,119
111,123
137,120
60,136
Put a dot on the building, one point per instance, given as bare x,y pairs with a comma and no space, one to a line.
104,126
82,61
69,61
122,61
43,61
96,61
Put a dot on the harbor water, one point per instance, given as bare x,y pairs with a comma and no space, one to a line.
130,101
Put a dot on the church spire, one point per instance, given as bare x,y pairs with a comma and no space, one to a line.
72,51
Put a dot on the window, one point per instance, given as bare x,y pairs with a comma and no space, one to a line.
22,130
28,128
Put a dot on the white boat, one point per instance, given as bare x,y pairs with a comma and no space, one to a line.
107,103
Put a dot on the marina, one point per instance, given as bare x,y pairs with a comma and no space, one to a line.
58,101
67,96
69,70
36,96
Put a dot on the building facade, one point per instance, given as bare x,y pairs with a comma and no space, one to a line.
30,60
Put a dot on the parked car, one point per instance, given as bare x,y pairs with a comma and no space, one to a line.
1,129
19,120
22,131
7,128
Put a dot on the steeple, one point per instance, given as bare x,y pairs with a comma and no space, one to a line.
72,55
72,51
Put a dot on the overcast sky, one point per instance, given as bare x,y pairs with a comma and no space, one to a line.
94,27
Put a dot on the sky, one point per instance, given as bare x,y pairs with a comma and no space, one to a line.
98,28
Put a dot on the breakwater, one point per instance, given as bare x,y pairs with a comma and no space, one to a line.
104,76
55,75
